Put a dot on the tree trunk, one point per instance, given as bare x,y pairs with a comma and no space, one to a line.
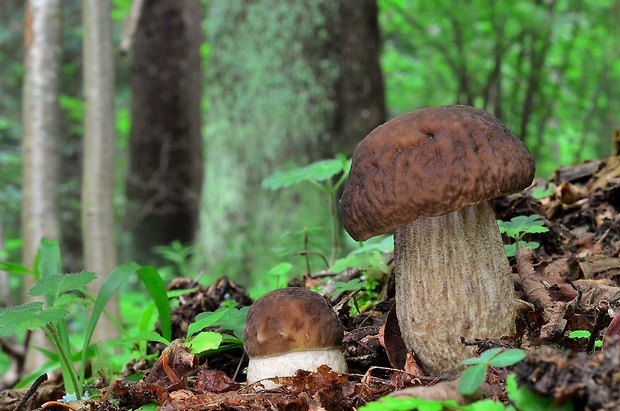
287,85
40,113
98,175
165,154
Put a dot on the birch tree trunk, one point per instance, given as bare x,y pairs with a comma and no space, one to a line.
40,113
98,174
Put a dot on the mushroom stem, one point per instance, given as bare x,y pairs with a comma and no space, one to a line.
453,280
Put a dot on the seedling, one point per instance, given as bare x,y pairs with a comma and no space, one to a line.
585,334
320,174
60,292
473,377
517,227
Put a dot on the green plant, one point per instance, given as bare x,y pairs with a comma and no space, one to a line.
179,255
320,174
59,291
473,377
520,398
517,227
208,342
585,334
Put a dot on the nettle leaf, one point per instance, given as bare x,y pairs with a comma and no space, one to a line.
507,358
284,179
56,284
69,299
28,317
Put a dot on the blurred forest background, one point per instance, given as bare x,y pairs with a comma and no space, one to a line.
211,97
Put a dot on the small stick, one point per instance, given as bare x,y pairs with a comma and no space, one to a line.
33,388
601,314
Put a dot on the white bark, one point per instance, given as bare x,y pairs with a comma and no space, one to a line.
98,174
40,114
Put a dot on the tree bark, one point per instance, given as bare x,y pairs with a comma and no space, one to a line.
289,83
165,154
98,174
40,142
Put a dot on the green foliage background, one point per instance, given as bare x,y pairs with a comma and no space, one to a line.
554,64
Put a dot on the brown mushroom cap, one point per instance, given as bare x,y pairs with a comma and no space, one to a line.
430,162
290,319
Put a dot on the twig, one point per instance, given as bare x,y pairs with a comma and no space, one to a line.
33,388
601,315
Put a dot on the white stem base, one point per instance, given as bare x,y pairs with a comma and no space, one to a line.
286,365
453,280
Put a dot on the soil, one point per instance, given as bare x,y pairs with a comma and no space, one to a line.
571,282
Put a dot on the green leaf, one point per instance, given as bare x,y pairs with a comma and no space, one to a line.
57,284
12,268
405,404
157,289
150,336
206,319
472,378
525,399
28,317
319,171
47,260
204,341
507,358
579,334
112,282
70,299
280,269
233,320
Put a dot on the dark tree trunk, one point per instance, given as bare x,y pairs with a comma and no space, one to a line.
165,160
361,102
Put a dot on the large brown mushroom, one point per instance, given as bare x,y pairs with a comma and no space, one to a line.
291,329
429,176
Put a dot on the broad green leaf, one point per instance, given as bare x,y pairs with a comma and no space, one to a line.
508,358
206,319
157,289
472,378
47,260
28,317
524,399
233,320
204,341
319,171
490,353
57,284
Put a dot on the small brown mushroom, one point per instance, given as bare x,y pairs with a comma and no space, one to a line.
429,176
291,329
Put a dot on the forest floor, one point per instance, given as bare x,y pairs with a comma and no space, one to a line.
570,283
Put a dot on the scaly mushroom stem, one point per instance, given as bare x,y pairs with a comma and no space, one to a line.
452,279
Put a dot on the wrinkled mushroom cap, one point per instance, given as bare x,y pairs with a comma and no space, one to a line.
290,319
431,162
